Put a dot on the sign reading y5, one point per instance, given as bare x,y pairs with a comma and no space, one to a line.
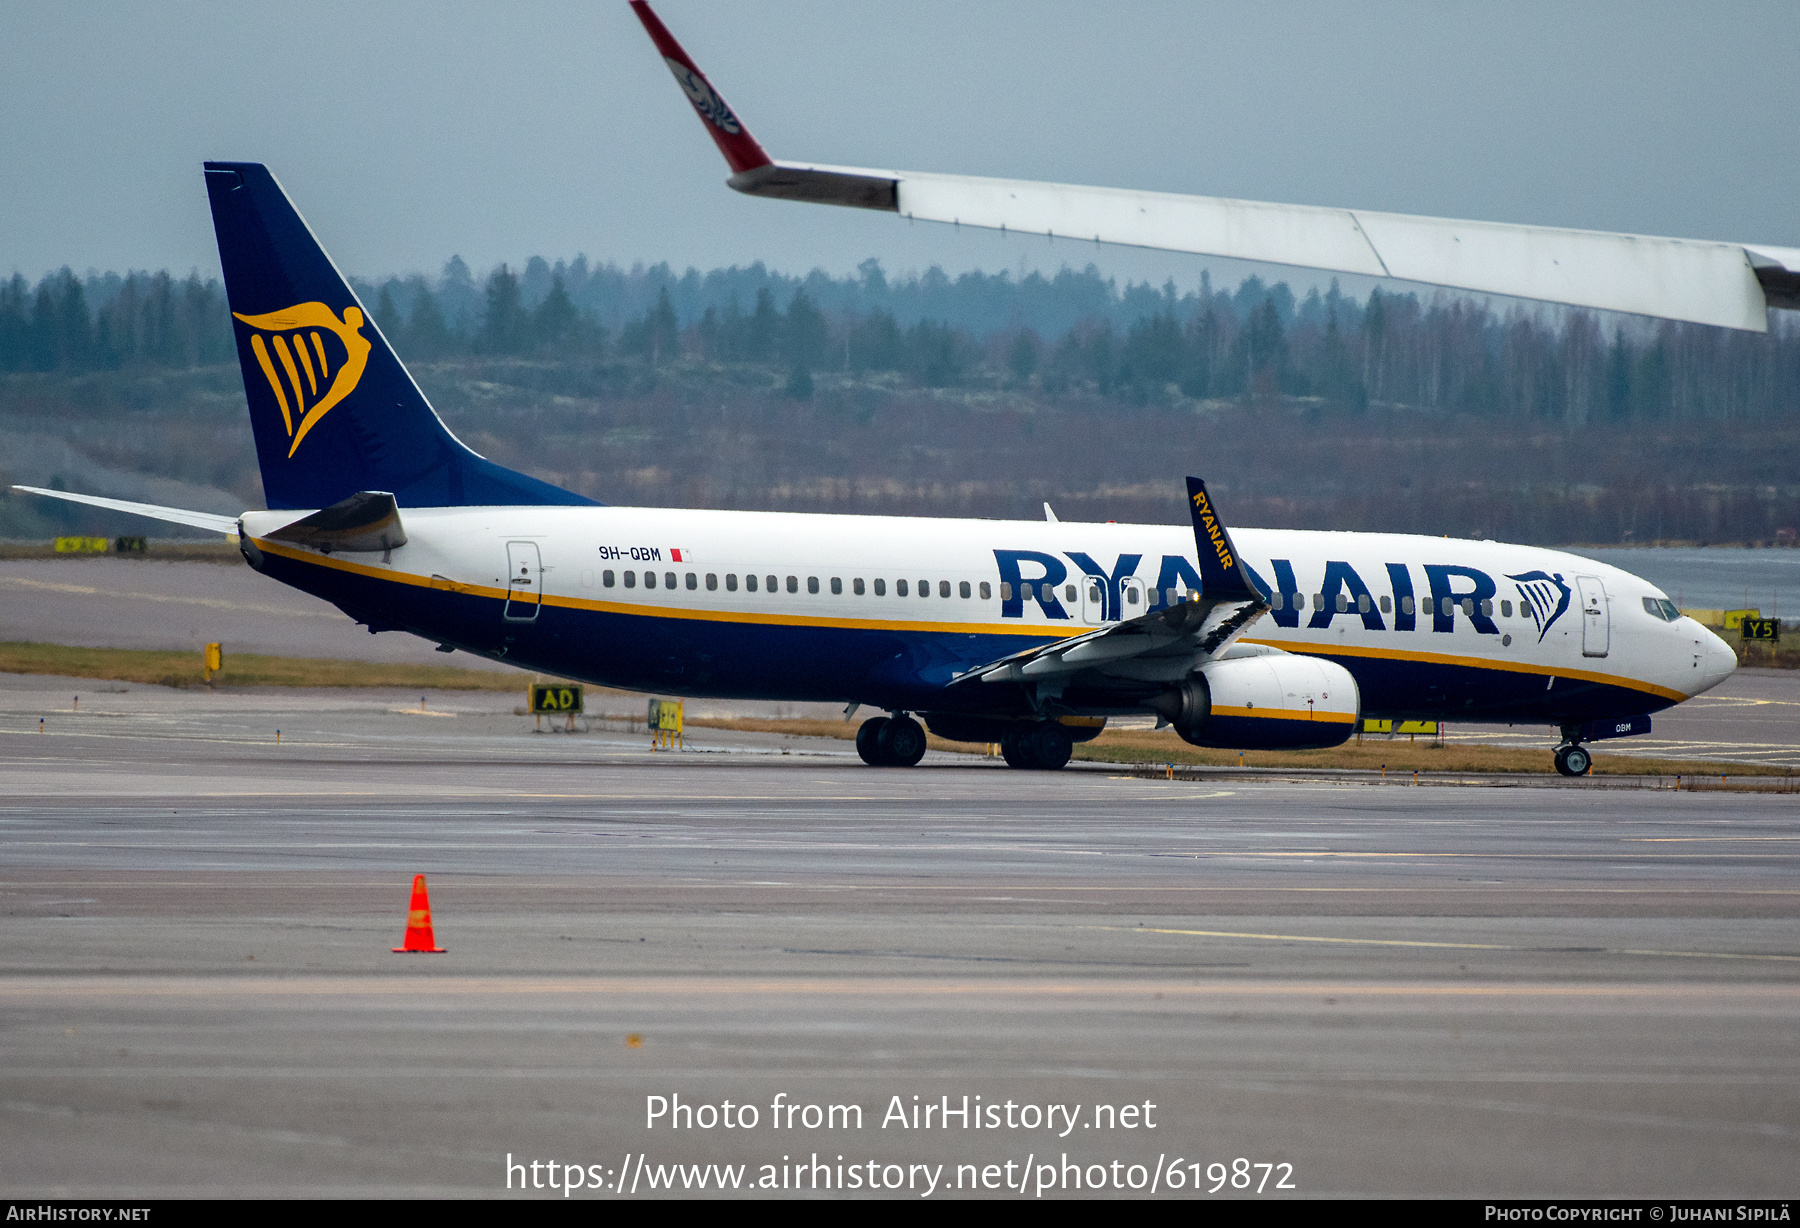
302,362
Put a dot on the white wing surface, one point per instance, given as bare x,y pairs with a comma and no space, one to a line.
1728,284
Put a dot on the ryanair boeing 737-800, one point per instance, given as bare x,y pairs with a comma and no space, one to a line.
1025,633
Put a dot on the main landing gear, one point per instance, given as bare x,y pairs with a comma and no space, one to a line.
1573,760
890,741
1044,746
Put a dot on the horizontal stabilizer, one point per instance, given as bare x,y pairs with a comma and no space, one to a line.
365,522
174,515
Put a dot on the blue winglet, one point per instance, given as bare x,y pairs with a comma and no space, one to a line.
1222,575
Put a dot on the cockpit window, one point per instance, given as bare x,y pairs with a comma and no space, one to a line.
1669,610
1661,607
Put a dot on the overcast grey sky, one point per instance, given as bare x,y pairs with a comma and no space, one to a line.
408,132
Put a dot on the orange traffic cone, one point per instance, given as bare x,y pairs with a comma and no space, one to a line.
419,939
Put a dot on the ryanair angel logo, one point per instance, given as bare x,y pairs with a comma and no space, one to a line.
1546,596
303,366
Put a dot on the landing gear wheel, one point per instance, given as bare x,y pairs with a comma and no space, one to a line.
868,741
1051,746
1043,747
901,742
1573,761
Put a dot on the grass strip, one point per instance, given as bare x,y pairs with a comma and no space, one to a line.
156,667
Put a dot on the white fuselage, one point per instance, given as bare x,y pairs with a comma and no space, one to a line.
806,604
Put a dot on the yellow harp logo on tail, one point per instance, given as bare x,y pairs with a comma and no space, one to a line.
303,371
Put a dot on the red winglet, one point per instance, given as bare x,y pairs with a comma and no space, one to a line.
741,151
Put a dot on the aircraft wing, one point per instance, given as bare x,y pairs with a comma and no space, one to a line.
1727,284
1164,646
174,515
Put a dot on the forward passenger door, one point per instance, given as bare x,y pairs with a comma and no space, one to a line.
1596,619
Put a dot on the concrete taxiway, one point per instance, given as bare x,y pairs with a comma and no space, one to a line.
1465,992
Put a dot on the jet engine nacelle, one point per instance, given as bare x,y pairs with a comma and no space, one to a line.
1264,703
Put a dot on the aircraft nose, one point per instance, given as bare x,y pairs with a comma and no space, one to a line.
1714,661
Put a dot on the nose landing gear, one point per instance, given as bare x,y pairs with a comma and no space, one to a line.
1572,760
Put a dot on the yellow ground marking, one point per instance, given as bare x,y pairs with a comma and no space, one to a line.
1453,946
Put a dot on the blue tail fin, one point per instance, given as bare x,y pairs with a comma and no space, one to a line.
333,410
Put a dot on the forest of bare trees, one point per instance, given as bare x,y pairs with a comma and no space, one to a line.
980,395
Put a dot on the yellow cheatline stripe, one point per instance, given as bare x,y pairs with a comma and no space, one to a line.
1286,714
262,357
1436,658
656,611
1453,946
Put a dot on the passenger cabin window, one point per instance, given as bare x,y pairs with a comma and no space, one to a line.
1005,590
987,593
1387,605
812,584
772,585
1131,594
731,582
749,584
944,588
924,588
649,579
693,581
1362,604
880,588
669,580
712,581
631,579
1506,609
1277,601
794,584
606,579
899,587
1343,603
837,587
1069,593
1487,608
963,589
856,586
1299,601
1406,605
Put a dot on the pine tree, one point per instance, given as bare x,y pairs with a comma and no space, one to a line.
555,320
503,328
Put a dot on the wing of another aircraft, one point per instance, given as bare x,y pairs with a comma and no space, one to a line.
1727,284
1164,646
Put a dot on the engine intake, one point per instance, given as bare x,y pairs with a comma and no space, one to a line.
1264,703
